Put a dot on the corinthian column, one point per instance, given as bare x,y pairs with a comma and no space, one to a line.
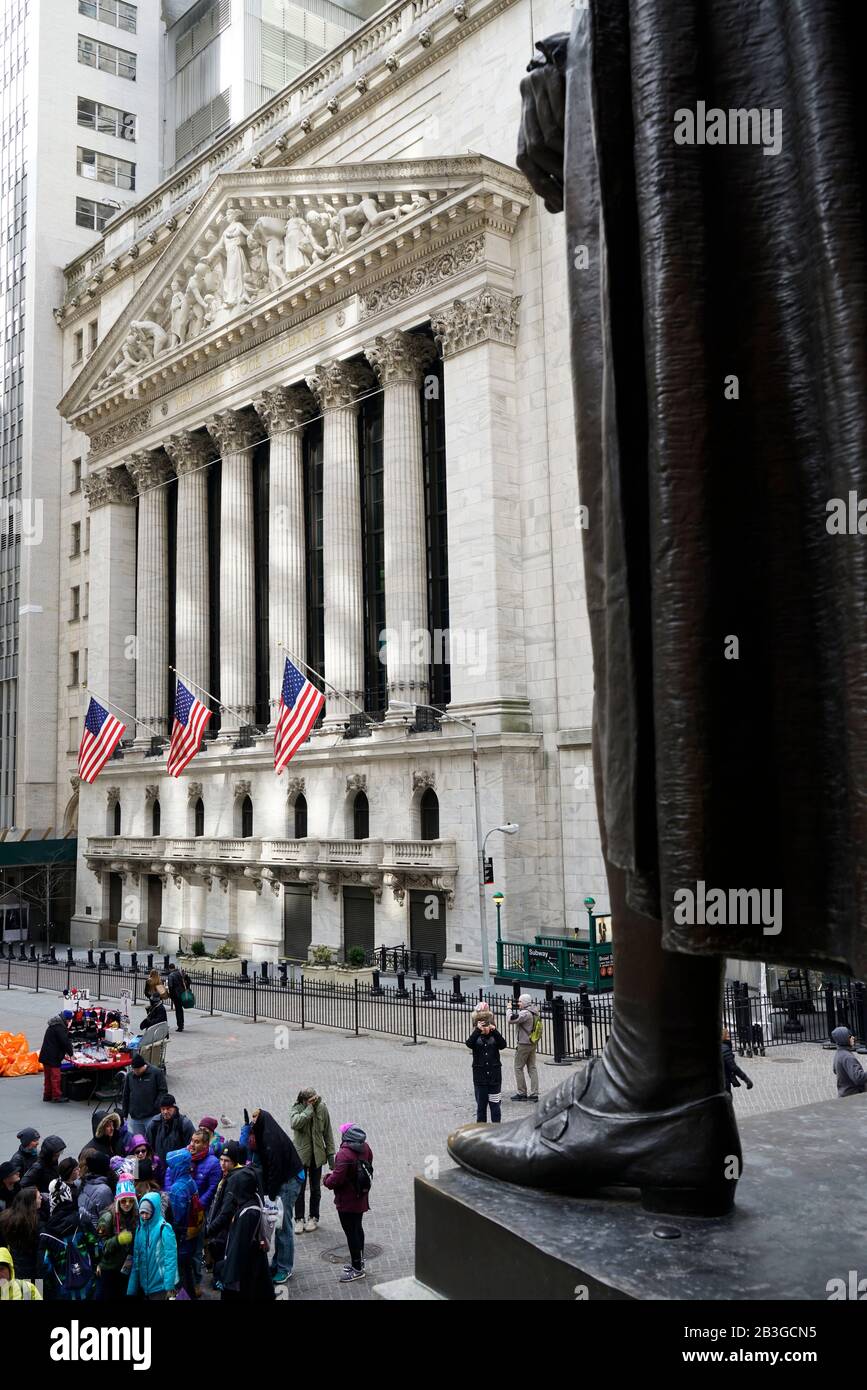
111,624
191,454
399,360
336,386
236,432
150,472
284,411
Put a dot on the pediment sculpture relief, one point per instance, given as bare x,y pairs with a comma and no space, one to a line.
244,263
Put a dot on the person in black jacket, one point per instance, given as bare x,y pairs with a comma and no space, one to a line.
243,1273
170,1130
28,1148
156,1013
45,1169
731,1069
20,1227
10,1183
142,1092
56,1048
486,1043
224,1204
176,983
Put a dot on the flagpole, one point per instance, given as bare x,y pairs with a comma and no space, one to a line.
309,669
124,712
229,708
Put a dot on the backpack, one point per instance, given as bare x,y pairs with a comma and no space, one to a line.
70,1265
195,1217
363,1176
272,1217
537,1030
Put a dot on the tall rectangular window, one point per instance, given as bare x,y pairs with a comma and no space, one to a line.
436,525
108,120
92,336
312,452
76,476
73,736
75,603
73,668
118,61
75,539
117,12
370,420
93,215
105,168
77,347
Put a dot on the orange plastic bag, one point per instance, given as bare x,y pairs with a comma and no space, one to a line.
16,1058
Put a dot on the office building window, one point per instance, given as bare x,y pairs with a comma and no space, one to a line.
92,336
105,168
78,347
106,57
76,476
75,541
73,668
116,12
75,595
107,120
84,667
93,215
73,736
86,609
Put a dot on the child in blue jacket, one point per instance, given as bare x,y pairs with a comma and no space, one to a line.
154,1272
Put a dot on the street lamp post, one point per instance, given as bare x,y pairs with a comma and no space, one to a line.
498,903
509,829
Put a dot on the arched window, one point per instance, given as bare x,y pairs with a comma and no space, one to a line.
117,818
429,815
300,809
199,818
246,818
155,818
360,817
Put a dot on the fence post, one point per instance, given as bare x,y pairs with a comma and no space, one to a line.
9,973
302,1000
255,1020
861,1010
69,972
401,984
830,1009
457,997
585,1011
427,985
211,1006
414,1019
558,1021
355,983
90,964
99,979
376,987
37,977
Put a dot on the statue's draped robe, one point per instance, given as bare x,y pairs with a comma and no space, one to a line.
740,763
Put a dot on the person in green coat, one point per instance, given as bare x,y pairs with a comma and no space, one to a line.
314,1139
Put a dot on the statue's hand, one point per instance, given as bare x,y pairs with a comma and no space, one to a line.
540,139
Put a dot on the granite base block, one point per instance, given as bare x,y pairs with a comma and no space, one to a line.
800,1221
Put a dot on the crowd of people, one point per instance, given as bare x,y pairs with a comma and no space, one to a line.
153,1204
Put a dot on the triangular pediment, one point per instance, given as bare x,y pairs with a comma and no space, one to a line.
260,242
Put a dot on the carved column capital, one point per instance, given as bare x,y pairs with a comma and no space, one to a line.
234,430
74,781
112,794
486,317
152,793
285,407
194,791
420,780
149,468
398,356
188,450
339,384
357,782
242,787
295,788
112,485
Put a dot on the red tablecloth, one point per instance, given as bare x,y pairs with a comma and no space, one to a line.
122,1060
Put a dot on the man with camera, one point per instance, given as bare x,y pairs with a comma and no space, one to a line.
526,1018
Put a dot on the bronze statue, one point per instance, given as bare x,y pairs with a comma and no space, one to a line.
710,163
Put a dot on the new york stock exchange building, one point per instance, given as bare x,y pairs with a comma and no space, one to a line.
330,414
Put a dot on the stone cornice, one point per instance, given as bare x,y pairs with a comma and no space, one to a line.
454,197
399,357
482,318
113,485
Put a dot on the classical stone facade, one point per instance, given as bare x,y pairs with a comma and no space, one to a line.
328,290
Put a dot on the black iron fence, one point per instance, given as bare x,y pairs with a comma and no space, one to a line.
389,960
573,1028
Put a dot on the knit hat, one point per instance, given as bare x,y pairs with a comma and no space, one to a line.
96,1162
237,1153
27,1136
351,1125
136,1060
52,1144
118,1165
209,1122
167,1100
66,1167
125,1188
7,1169
67,1013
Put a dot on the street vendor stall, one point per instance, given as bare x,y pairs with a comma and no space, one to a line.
100,1044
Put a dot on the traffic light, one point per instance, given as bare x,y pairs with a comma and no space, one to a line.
489,871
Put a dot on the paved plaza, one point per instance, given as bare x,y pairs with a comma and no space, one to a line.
407,1098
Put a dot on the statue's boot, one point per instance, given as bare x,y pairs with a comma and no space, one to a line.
652,1112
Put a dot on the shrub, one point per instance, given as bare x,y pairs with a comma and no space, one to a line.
356,957
227,951
321,955
198,949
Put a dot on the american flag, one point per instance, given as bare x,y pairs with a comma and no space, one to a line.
191,717
300,703
100,736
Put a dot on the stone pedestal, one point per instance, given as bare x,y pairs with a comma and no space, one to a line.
798,1224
